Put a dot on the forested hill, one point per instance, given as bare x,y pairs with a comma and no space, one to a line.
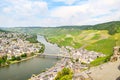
113,27
76,27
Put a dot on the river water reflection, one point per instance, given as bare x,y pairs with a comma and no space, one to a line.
24,70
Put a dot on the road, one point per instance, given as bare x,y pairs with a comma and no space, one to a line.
107,71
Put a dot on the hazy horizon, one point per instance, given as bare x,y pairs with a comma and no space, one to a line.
52,26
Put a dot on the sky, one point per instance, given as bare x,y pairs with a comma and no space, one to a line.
51,13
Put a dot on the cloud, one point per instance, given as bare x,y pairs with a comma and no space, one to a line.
40,12
22,12
68,11
66,1
26,7
89,13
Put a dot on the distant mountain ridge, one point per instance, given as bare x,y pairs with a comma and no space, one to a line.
112,27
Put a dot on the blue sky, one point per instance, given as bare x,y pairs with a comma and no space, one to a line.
18,13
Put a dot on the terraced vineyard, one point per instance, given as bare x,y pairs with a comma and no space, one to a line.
100,38
95,40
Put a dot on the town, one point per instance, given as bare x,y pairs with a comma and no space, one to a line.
14,46
77,60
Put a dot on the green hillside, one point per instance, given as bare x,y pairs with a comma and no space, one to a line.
100,38
113,27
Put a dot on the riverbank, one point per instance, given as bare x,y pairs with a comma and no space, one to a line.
53,68
18,61
27,58
34,65
51,72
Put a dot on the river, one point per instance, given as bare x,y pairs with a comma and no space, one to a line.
25,69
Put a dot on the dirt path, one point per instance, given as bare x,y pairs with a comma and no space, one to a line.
107,71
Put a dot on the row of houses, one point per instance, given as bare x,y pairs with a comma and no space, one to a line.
15,44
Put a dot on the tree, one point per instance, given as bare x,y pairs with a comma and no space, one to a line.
18,58
42,49
1,61
13,58
66,77
65,74
24,55
4,58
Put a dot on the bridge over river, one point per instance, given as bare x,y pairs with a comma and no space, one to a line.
55,55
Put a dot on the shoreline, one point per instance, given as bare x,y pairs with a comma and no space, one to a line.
47,70
25,59
8,62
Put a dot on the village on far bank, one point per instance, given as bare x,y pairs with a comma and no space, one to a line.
16,46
